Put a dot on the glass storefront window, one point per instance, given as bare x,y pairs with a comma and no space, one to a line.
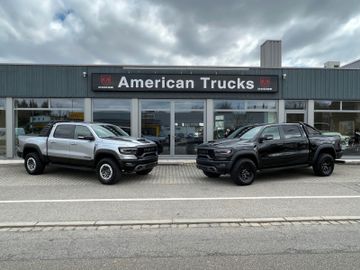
327,105
32,103
155,124
71,103
2,128
261,104
229,105
31,115
349,105
113,111
344,124
189,126
232,114
111,104
295,105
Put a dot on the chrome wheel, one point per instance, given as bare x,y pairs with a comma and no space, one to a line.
31,164
106,171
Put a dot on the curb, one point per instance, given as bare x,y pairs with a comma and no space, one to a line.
160,162
178,161
176,221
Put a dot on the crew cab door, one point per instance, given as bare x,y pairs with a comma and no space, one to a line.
82,146
296,145
270,150
59,142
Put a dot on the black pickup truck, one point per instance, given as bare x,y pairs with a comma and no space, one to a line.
268,146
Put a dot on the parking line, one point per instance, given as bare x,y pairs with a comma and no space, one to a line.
182,199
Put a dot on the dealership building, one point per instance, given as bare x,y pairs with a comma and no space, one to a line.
179,106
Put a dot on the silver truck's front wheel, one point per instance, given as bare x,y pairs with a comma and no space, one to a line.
33,164
108,171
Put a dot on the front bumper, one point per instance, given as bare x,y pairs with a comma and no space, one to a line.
136,165
339,154
220,167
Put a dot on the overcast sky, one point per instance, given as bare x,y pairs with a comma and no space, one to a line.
178,32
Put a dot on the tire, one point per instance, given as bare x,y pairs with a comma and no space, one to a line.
243,172
108,171
144,172
33,164
324,165
211,174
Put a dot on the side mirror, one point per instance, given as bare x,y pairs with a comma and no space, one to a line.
267,137
86,138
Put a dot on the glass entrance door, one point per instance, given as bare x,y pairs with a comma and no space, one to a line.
177,127
189,126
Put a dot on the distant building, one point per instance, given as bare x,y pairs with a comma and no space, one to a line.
355,64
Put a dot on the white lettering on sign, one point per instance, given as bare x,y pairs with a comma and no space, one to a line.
206,83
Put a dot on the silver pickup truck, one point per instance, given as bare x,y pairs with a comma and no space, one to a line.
105,147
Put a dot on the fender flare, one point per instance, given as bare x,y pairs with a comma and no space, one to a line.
239,154
321,148
37,149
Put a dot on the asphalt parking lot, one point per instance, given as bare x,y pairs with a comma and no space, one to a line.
175,191
182,174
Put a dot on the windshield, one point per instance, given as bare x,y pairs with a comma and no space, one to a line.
108,131
251,133
238,132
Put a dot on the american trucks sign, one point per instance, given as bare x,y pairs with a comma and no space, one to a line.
181,83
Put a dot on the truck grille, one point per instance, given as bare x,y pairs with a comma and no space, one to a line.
146,151
205,153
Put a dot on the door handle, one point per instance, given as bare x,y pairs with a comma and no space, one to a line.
52,142
73,143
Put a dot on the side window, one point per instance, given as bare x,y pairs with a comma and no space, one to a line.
64,131
273,131
291,132
82,131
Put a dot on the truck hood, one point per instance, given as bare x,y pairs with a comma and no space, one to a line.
128,141
227,143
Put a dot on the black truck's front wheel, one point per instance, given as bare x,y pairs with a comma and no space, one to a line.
34,164
324,165
108,171
244,171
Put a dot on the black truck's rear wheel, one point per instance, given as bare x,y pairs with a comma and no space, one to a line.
33,164
244,171
324,165
108,171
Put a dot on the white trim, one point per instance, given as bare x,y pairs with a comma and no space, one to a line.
250,198
9,123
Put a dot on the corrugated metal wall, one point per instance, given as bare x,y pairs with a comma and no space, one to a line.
42,81
67,81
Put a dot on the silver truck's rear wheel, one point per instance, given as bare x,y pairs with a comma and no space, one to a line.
108,171
33,164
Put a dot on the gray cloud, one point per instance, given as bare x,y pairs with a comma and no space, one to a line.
171,32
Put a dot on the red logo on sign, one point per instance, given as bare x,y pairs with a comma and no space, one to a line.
105,79
265,82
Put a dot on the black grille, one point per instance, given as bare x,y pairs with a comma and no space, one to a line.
146,151
202,152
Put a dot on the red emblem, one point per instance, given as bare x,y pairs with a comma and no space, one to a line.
105,79
265,82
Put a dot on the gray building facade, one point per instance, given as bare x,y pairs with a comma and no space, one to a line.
177,106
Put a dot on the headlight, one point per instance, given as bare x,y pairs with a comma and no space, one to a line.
128,151
223,152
